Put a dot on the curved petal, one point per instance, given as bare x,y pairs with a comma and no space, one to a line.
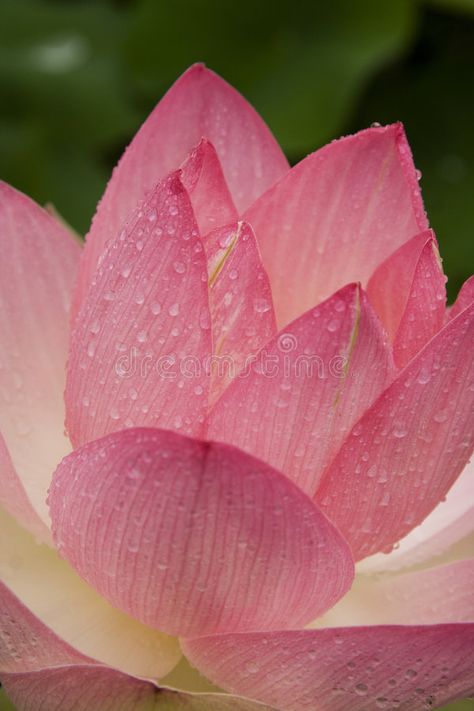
94,688
464,298
194,537
405,453
450,522
442,594
335,216
200,104
241,303
86,624
145,320
356,668
293,406
14,499
425,310
408,293
38,261
41,672
202,176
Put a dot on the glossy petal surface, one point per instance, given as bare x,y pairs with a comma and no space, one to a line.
38,263
405,453
356,668
294,405
199,105
337,215
190,537
145,320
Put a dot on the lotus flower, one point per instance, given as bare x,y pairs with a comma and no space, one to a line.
261,385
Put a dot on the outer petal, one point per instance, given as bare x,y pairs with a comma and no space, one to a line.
449,523
200,104
294,405
38,260
204,180
14,499
86,623
93,688
42,673
242,314
335,216
191,537
405,453
144,330
442,594
356,668
408,293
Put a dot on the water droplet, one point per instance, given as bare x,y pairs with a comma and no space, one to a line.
141,336
333,325
233,274
261,306
139,245
126,272
361,689
252,667
399,432
424,376
114,413
173,310
155,308
179,267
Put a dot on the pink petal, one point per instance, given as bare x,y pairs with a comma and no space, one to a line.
42,673
335,216
200,104
57,599
392,282
38,260
465,297
404,454
295,404
242,314
448,524
425,309
350,668
192,537
442,594
14,499
93,688
202,176
144,330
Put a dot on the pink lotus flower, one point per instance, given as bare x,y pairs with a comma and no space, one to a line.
246,421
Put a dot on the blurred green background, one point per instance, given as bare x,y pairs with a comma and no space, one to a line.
78,77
